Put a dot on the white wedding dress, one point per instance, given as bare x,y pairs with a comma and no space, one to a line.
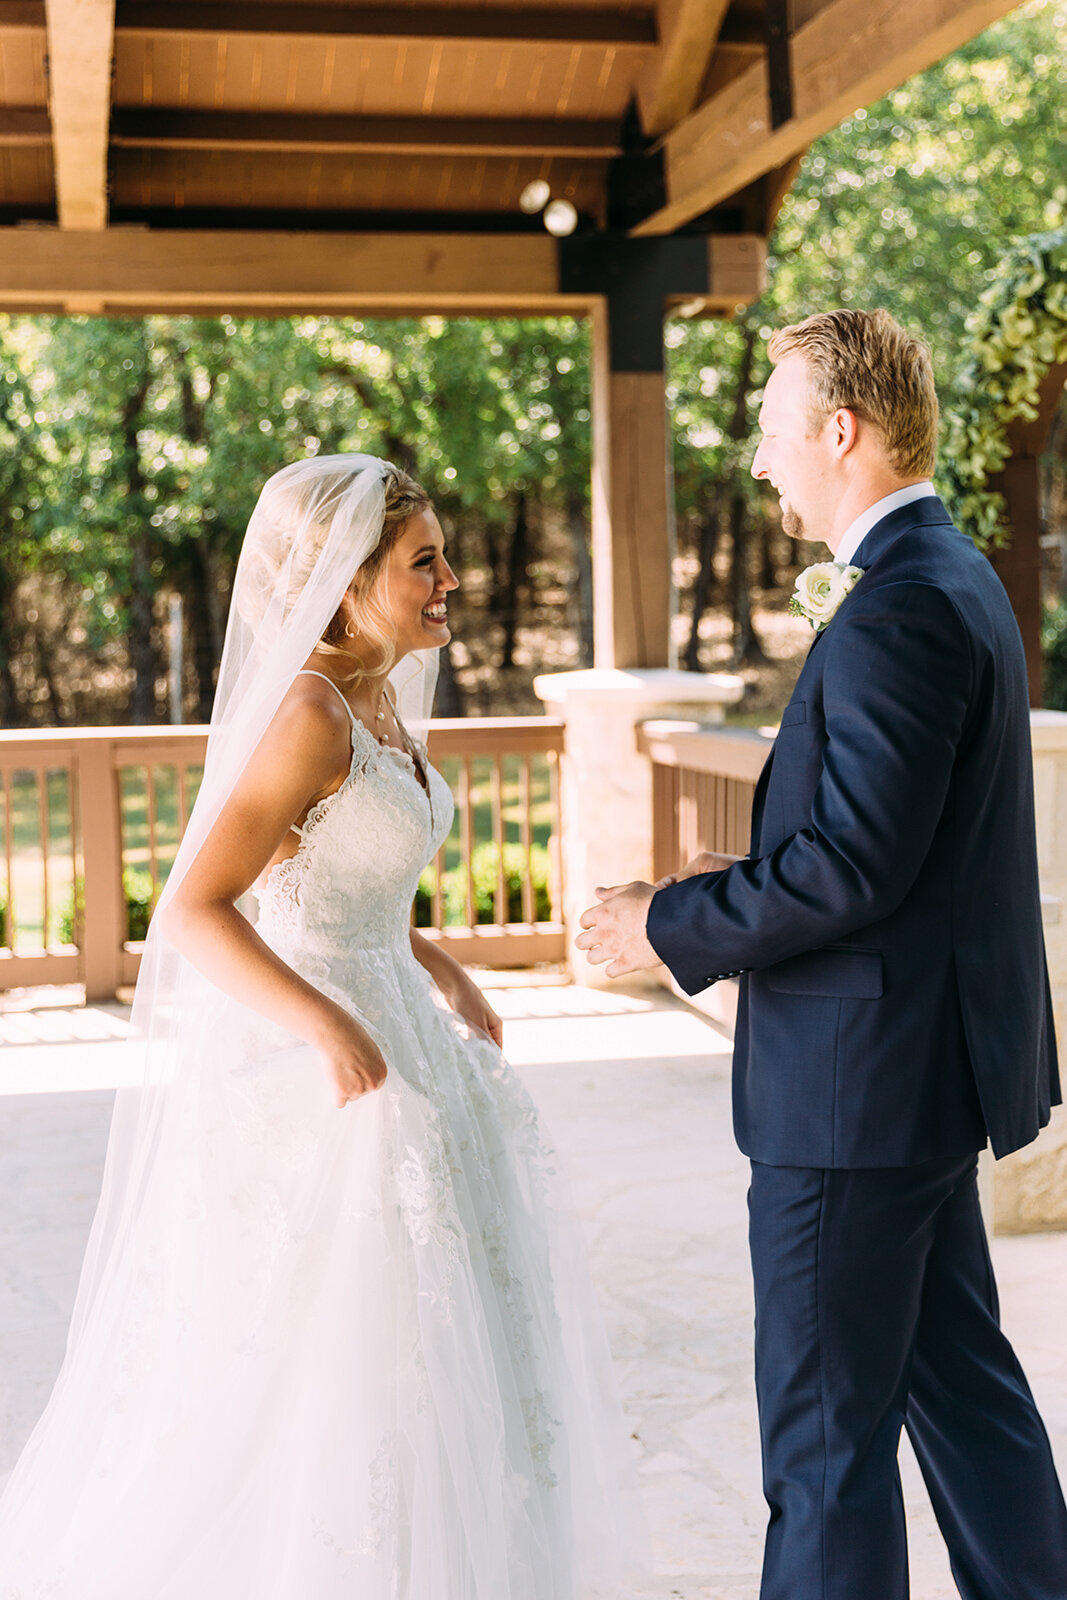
355,1358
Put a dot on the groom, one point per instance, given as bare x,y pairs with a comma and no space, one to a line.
894,1010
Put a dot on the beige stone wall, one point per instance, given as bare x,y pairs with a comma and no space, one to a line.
1030,1187
606,782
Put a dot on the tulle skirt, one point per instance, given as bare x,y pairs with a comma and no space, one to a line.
341,1355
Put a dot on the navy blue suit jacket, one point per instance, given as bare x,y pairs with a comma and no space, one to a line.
894,1005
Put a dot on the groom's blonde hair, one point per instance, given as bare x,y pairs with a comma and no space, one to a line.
866,363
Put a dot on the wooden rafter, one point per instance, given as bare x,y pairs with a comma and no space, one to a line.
154,129
80,42
24,125
849,54
671,86
620,28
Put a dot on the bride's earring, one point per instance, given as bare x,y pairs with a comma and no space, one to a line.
348,631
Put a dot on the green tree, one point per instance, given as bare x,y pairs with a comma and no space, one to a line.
907,204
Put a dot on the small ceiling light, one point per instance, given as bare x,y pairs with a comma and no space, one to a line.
560,218
535,196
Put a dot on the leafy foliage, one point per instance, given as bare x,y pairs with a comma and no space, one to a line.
1020,332
1054,647
131,452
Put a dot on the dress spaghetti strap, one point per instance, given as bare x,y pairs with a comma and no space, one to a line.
309,672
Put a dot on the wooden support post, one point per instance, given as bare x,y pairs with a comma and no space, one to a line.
633,504
1019,566
104,926
80,48
631,283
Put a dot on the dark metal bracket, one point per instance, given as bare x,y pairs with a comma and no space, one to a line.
780,61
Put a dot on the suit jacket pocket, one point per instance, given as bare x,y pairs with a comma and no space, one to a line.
795,711
837,971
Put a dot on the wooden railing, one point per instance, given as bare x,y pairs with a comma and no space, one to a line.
703,780
91,819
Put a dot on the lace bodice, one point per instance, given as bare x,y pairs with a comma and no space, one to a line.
348,889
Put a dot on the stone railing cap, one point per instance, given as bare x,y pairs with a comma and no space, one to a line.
1048,730
648,686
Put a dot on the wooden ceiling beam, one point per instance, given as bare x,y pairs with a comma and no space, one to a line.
138,270
847,55
153,129
80,49
670,87
22,14
565,25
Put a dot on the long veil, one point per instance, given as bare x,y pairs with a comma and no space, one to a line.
314,525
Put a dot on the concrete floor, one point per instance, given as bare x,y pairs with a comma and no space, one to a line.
636,1091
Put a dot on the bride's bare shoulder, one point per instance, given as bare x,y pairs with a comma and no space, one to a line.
310,731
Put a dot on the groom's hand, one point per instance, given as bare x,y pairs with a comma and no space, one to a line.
615,930
706,861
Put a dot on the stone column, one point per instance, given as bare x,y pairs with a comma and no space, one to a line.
605,781
1030,1187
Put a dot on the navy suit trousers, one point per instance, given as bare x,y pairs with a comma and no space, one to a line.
876,1308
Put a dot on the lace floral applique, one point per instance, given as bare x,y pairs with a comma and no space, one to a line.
422,1186
384,1501
541,1430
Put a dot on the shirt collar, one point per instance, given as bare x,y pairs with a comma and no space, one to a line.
857,531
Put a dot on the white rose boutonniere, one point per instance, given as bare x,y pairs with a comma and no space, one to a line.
820,590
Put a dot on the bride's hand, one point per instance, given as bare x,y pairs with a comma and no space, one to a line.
468,1002
706,861
353,1060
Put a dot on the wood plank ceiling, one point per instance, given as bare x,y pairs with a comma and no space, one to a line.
651,117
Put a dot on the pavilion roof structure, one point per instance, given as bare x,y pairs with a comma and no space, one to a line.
279,157
288,154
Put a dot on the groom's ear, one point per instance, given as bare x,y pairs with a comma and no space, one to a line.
844,430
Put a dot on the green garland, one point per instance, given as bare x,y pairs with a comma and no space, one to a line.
1019,333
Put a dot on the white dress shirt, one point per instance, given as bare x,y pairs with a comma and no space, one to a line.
857,531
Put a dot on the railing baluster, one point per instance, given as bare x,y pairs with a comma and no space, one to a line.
500,894
466,837
9,857
437,912
150,809
528,907
183,796
555,876
41,790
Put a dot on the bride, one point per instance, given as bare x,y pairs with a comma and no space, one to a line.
330,1339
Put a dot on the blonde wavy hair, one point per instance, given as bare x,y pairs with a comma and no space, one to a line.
289,538
866,363
367,617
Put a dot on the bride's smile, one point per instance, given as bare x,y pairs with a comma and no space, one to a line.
413,585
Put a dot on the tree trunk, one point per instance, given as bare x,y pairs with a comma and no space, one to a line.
710,531
12,713
768,567
748,651
747,648
142,643
578,528
514,579
203,623
449,701
47,671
